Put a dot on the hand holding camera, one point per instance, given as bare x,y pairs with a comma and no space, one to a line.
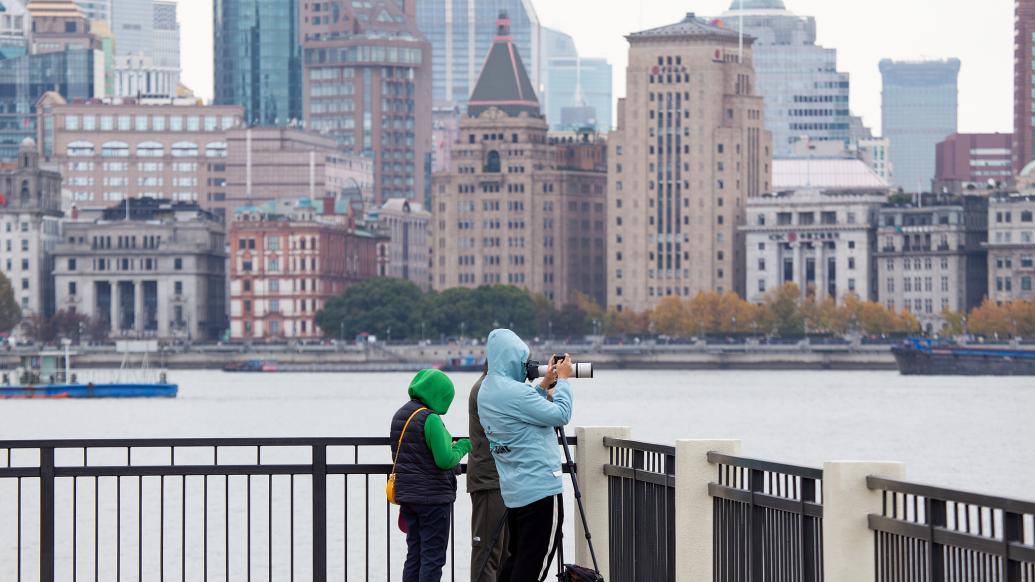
562,366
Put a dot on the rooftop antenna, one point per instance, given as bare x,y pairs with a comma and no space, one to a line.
740,31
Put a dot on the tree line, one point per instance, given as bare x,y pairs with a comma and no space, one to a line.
394,309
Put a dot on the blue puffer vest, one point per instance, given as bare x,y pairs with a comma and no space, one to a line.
418,480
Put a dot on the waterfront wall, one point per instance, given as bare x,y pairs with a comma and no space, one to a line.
792,357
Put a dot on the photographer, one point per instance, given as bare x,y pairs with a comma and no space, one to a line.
519,422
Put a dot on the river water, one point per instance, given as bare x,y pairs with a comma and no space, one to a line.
968,433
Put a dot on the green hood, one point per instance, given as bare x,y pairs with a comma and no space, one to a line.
434,389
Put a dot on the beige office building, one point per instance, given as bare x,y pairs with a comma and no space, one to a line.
111,150
517,207
1011,247
285,164
689,149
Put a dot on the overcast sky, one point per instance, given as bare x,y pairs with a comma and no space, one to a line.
863,31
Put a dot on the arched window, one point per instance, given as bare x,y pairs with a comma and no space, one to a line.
150,149
24,194
216,149
115,149
80,149
492,162
185,149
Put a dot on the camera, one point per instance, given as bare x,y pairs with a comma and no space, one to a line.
534,369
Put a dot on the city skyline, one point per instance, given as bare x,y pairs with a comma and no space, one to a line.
905,29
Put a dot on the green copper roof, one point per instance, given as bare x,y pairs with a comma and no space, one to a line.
758,5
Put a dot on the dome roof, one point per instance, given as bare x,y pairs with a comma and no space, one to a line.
28,142
757,5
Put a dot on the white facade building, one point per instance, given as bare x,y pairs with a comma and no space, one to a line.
821,240
1011,247
406,224
30,211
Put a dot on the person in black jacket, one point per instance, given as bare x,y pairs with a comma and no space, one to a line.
425,473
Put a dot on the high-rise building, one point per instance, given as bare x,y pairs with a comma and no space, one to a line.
368,85
461,33
689,149
258,59
30,211
971,161
576,91
1023,84
14,28
145,35
806,97
918,110
64,55
517,206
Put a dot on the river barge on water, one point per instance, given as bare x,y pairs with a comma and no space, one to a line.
48,374
925,357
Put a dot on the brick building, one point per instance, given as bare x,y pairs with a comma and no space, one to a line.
285,263
966,162
367,84
517,207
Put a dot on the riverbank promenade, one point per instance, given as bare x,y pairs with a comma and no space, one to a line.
314,509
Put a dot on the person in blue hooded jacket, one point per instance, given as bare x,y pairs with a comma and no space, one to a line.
519,421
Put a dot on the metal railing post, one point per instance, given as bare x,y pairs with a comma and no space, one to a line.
808,532
319,513
47,514
1013,531
936,518
757,522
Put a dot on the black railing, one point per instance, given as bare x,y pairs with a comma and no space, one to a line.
931,534
199,510
641,502
767,521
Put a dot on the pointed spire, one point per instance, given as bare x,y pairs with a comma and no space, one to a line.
504,81
503,27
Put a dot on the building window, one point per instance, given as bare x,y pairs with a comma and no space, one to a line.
71,264
72,288
178,264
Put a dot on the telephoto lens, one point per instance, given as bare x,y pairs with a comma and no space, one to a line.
579,370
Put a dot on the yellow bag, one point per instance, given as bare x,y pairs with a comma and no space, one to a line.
390,486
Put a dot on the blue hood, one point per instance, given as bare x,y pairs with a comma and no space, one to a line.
507,355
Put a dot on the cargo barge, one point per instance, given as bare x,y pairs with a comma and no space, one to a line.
925,357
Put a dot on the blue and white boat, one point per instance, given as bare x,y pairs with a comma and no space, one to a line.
48,374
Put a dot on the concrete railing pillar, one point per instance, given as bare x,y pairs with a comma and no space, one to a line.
694,506
590,457
847,503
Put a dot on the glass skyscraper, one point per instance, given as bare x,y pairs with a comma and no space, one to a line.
918,110
258,62
805,95
461,33
575,90
23,80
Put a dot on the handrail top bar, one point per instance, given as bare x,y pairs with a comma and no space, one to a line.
954,495
639,446
208,442
718,458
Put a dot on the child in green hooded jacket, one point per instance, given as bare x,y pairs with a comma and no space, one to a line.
426,460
